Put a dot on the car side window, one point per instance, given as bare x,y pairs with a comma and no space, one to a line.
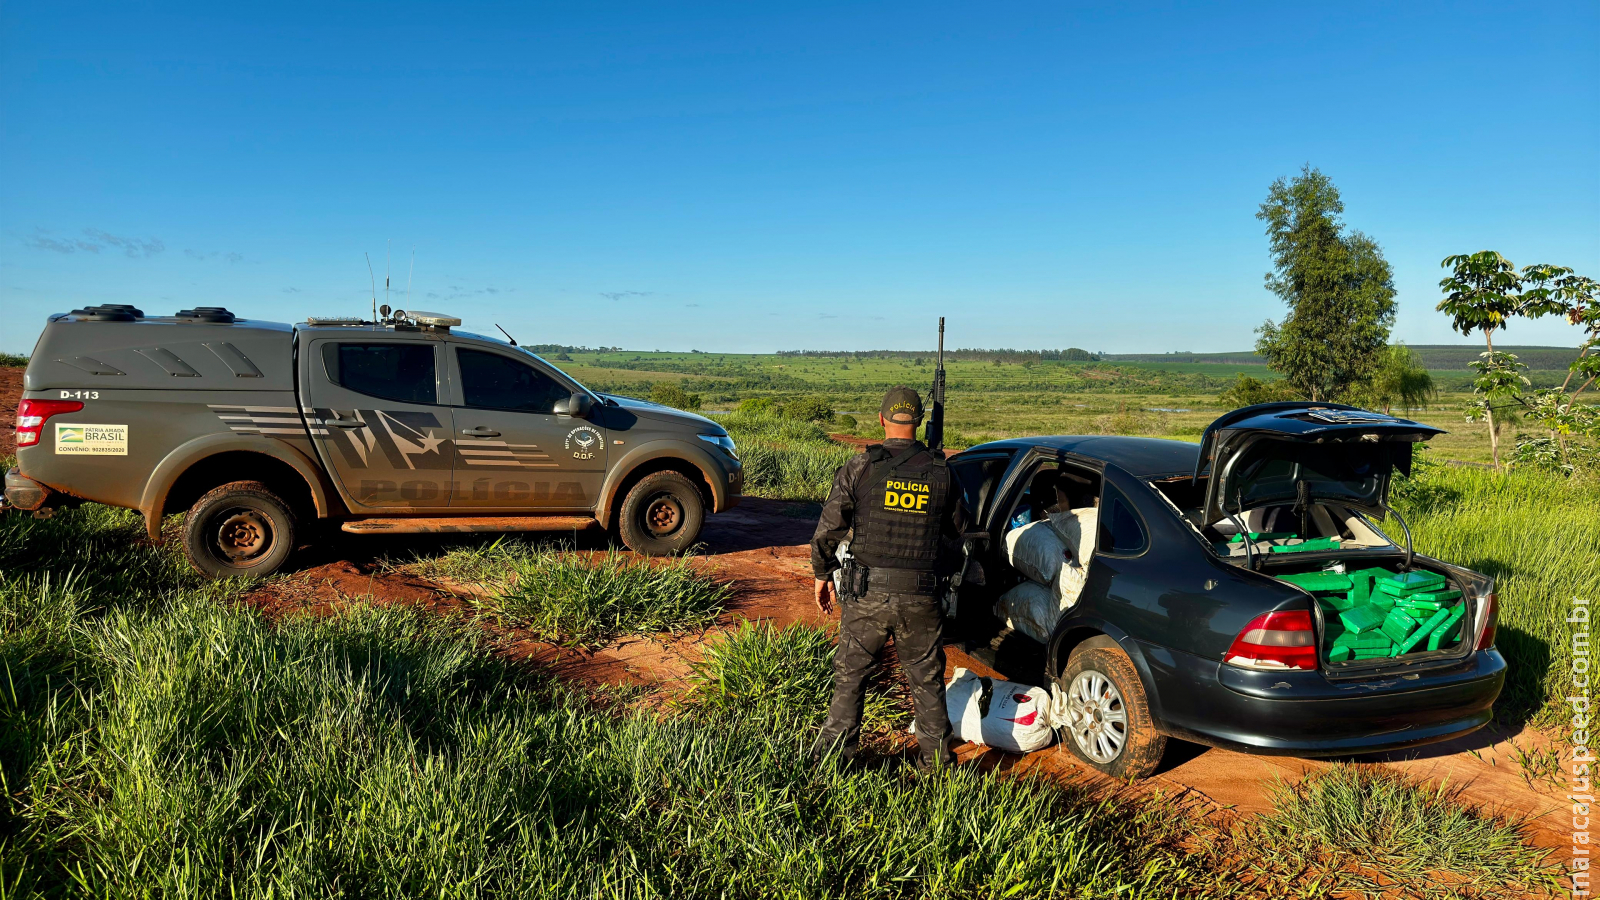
403,372
978,478
1121,532
492,381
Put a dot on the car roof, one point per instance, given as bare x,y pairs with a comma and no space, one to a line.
1138,456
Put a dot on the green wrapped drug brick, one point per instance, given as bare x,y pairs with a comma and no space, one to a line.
1318,581
1362,618
1338,602
1338,654
1447,631
1397,626
1439,599
1308,545
1381,601
1360,654
1263,536
1411,582
1422,632
1371,640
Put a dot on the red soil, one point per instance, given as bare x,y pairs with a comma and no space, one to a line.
10,396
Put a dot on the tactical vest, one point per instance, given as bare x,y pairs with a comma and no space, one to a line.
899,505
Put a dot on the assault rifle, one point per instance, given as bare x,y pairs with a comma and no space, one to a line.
933,436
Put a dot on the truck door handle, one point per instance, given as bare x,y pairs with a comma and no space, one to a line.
480,431
344,423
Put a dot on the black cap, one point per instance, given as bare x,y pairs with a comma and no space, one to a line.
902,406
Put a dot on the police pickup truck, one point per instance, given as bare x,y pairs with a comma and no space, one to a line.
259,430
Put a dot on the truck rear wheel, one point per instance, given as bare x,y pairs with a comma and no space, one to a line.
1109,726
661,515
239,529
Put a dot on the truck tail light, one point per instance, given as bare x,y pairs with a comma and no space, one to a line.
1275,640
32,414
1490,623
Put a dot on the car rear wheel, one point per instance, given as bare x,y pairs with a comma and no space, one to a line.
661,515
240,528
1108,723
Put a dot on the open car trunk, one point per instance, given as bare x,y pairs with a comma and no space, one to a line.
1293,490
1301,454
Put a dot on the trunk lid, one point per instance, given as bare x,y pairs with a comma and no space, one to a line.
1282,453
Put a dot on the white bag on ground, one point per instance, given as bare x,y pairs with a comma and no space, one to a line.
1037,551
1000,714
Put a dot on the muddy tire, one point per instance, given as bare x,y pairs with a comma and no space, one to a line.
239,529
661,515
1110,728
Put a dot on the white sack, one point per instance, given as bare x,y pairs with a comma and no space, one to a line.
1036,551
1000,714
1031,609
1077,530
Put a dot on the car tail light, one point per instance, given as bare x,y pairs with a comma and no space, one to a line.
1490,624
32,414
1275,640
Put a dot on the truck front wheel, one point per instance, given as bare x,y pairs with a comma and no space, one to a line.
661,515
240,528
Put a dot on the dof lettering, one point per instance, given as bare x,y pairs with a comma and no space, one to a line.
905,500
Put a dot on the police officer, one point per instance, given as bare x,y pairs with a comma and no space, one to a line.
906,516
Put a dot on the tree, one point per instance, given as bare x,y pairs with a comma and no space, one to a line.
1247,391
1339,289
1398,380
1574,427
1484,292
669,394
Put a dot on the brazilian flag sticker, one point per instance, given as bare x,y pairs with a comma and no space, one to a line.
91,440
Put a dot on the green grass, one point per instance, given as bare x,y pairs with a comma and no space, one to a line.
1538,536
767,671
159,739
1366,831
785,458
582,599
183,745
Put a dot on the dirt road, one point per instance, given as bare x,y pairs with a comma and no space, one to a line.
761,548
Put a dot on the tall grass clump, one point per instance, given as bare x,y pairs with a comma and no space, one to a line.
585,598
763,671
1538,535
785,458
1353,830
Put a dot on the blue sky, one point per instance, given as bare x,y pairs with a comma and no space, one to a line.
754,177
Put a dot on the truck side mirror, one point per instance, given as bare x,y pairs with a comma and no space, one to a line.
576,406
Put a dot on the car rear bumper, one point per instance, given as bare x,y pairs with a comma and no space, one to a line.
1306,714
22,492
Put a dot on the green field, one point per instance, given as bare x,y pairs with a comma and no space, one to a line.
1162,395
159,739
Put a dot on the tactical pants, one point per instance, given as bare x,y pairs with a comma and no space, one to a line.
917,624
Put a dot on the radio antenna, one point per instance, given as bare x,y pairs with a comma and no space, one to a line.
374,287
412,268
507,334
386,272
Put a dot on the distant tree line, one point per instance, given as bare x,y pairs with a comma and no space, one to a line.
1004,355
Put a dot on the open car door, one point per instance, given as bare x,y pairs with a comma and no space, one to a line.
1299,452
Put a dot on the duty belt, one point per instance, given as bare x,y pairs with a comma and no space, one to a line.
902,581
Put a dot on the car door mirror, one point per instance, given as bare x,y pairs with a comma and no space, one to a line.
576,406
